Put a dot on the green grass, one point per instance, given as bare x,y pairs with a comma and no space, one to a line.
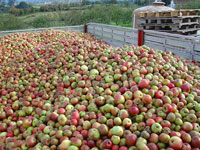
120,24
126,25
27,19
36,6
31,17
75,16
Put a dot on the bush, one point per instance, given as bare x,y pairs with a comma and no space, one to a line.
14,11
106,14
23,5
192,5
21,12
195,4
10,22
99,14
44,8
42,21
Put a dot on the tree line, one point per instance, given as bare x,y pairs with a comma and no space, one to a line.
24,8
107,14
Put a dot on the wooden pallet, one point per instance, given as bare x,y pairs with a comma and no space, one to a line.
188,12
192,26
190,20
175,13
158,20
169,27
180,21
192,16
188,31
158,14
161,20
188,24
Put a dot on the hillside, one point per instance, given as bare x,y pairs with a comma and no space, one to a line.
66,1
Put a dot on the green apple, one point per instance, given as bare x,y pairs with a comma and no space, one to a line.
179,121
171,117
156,128
184,112
139,118
117,130
197,107
65,144
115,139
93,134
62,119
94,72
84,68
72,147
109,78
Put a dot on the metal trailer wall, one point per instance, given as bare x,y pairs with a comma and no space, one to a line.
79,28
114,35
180,45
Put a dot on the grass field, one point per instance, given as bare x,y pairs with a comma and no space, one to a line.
113,14
54,19
31,17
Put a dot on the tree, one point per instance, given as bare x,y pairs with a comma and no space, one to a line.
14,11
44,8
113,1
22,5
126,16
3,7
116,13
60,7
42,21
10,22
85,2
2,2
21,12
167,2
11,3
140,2
127,3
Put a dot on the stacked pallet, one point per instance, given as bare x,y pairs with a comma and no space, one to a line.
179,21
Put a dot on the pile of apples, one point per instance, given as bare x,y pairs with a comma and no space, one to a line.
69,91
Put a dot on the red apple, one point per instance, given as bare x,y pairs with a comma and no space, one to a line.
154,138
159,94
186,146
152,146
185,87
149,122
131,140
144,83
196,141
167,108
176,143
133,110
107,144
147,99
